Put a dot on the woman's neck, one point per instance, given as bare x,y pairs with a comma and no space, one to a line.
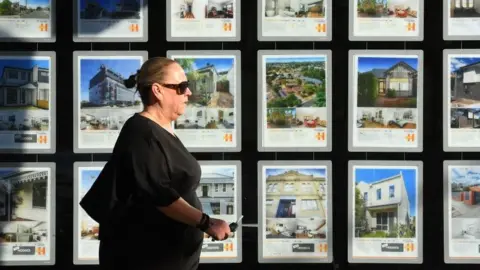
159,118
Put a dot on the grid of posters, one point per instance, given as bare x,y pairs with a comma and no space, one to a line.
211,122
386,101
219,192
462,19
203,20
305,20
27,21
385,217
27,214
398,20
294,100
111,20
102,102
294,212
462,100
86,242
462,211
27,99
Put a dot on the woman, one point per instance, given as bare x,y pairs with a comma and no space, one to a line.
145,197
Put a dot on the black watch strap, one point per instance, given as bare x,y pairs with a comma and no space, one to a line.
204,223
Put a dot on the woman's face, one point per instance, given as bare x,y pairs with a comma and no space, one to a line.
172,102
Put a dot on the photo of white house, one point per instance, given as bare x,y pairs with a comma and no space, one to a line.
217,190
385,203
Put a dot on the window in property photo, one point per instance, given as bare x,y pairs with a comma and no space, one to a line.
379,194
391,190
39,196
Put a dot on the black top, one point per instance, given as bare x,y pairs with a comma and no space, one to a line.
149,167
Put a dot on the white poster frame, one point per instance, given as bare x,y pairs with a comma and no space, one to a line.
473,35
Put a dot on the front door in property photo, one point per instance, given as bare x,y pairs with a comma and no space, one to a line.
205,191
286,208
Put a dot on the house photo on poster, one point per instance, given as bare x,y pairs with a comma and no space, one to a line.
102,102
462,100
387,20
385,212
211,121
26,215
218,192
462,239
294,100
203,20
110,20
295,213
386,102
461,19
27,100
282,20
27,20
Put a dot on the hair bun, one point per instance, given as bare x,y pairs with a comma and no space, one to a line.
131,81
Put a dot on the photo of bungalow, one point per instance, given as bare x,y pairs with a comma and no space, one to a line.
465,118
219,9
212,81
387,82
105,102
217,190
297,81
23,232
301,228
23,195
296,193
88,227
387,8
464,8
295,8
465,82
109,9
465,192
466,228
26,9
385,203
386,118
220,119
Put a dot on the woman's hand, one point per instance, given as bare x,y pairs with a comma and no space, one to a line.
218,229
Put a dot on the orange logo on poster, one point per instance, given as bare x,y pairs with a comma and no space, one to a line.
323,247
409,247
42,139
320,136
228,247
228,137
410,137
321,27
43,27
411,26
134,27
41,251
227,27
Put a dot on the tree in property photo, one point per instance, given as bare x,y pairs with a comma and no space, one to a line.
361,224
367,90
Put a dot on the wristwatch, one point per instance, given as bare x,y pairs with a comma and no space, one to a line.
204,223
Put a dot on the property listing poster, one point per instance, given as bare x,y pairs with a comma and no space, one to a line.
217,193
463,17
25,107
110,18
209,120
87,228
293,18
25,215
26,19
463,100
295,212
204,18
386,18
384,212
294,101
105,103
386,103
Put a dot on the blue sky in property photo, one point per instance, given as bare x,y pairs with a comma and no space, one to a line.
221,64
218,170
458,62
23,63
90,67
409,177
294,59
33,3
110,5
88,178
366,64
318,172
469,175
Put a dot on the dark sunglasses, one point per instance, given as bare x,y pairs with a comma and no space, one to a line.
181,88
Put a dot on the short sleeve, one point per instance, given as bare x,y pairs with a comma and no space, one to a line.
150,170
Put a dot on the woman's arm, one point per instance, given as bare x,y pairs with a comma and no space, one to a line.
183,212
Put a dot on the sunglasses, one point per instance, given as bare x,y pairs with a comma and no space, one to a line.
181,88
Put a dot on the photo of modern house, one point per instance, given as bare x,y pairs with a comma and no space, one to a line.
464,8
23,195
466,228
391,118
385,203
296,81
23,232
105,102
295,8
217,190
88,227
465,192
387,82
220,119
109,9
219,9
296,193
25,9
465,82
465,118
387,9
301,228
